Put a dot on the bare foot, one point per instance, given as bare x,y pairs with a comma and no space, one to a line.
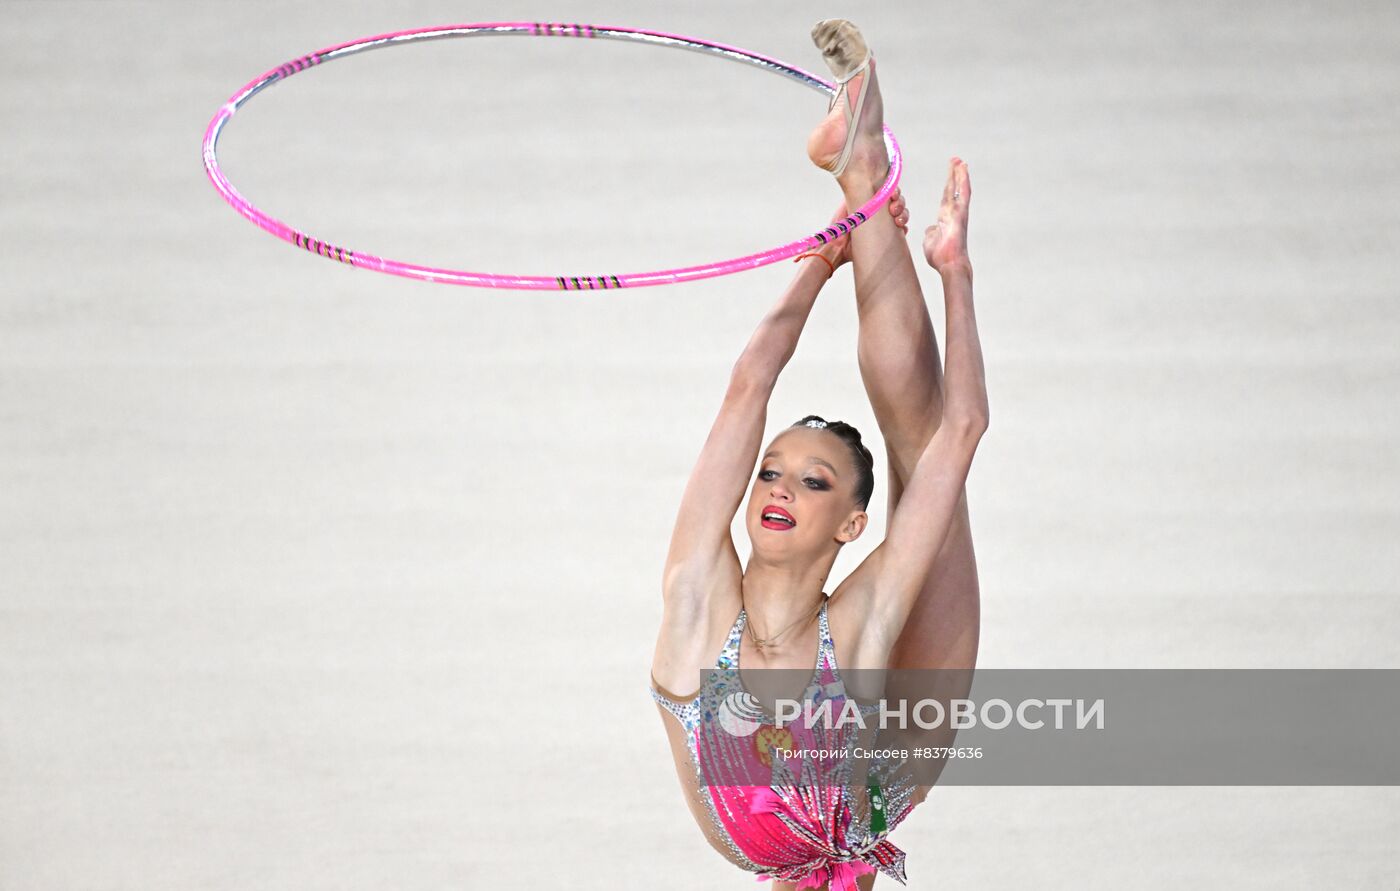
843,48
945,242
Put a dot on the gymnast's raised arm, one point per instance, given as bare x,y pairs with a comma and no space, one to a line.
701,538
701,541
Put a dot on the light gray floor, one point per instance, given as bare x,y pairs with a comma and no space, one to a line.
281,541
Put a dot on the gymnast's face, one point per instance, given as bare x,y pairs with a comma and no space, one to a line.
808,480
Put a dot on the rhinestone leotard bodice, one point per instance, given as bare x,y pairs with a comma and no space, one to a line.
776,818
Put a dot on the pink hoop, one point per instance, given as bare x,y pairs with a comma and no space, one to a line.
364,260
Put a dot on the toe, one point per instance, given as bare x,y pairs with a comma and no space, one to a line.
841,44
951,184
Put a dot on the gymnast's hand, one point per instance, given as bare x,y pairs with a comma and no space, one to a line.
945,242
839,251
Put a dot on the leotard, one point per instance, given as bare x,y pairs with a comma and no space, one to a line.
796,820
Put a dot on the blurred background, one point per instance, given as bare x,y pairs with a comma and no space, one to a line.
284,543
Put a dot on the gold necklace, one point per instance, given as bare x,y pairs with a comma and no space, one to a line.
762,642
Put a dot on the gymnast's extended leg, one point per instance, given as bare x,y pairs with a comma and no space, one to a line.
901,369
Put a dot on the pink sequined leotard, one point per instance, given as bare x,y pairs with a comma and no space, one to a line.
795,820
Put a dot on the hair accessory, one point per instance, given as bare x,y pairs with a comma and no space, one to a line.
817,424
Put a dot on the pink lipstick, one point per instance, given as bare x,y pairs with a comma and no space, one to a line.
776,518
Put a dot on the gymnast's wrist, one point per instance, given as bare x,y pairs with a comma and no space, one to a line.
834,255
818,260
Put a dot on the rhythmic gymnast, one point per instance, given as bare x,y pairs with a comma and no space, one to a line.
913,602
